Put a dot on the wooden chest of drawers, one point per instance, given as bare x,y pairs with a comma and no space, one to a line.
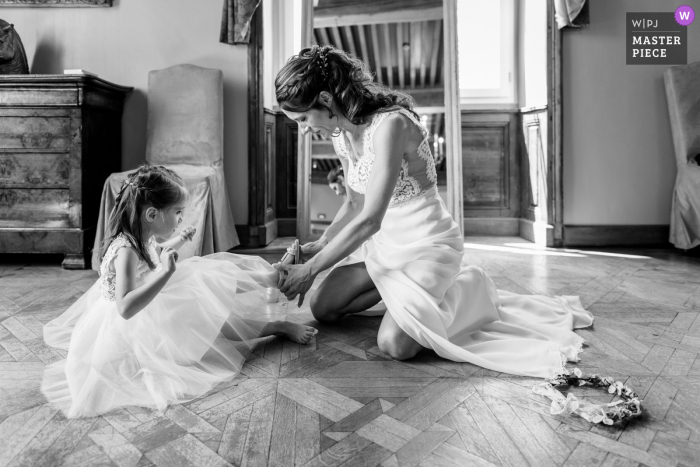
60,138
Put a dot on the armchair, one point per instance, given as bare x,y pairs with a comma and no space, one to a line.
683,93
185,134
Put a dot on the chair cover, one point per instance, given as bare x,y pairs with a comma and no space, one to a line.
683,93
185,134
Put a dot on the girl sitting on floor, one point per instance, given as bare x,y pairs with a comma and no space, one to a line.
151,331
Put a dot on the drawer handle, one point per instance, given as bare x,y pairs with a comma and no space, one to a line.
37,140
35,180
7,169
8,198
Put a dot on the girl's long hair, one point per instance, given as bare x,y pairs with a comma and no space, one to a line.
149,185
344,76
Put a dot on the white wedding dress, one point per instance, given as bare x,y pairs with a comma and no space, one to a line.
416,261
171,351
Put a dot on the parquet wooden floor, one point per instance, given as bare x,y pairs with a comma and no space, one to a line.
340,401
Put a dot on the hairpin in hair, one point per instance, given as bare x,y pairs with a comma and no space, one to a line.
323,57
134,185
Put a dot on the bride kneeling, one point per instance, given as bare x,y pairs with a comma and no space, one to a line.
394,240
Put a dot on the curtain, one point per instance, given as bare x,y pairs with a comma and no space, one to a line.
566,12
235,21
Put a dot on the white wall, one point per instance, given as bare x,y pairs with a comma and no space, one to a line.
123,43
324,201
618,152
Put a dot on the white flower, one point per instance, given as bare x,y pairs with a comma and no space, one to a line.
543,389
569,405
596,418
577,372
607,421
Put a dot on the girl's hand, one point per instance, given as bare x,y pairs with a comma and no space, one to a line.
311,249
295,280
187,234
168,258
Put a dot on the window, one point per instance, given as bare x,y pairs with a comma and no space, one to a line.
486,44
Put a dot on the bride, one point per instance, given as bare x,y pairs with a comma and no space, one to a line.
393,239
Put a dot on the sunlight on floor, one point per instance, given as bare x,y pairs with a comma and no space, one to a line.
532,246
522,251
534,249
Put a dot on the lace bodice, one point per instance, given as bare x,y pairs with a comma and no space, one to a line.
107,273
417,173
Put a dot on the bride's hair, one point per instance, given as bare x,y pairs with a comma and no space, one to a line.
149,185
344,76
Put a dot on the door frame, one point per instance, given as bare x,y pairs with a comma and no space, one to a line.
453,122
453,132
304,149
555,147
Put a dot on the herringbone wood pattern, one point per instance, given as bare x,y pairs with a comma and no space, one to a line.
340,401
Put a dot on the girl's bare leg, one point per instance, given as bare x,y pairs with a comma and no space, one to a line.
292,331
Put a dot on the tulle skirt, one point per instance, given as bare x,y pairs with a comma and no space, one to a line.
170,352
416,262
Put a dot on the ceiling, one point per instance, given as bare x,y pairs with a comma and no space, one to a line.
406,55
401,42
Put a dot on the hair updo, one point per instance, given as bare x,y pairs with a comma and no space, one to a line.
344,76
149,185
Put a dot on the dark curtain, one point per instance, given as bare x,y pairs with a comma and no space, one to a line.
235,21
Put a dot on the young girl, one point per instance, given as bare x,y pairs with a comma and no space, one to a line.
151,331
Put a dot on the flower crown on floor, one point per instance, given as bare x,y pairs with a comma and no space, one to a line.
628,406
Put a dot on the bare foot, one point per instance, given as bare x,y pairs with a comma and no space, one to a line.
295,332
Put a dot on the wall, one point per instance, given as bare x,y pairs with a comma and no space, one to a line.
324,201
123,43
618,152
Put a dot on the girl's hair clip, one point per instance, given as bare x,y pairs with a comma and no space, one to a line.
134,185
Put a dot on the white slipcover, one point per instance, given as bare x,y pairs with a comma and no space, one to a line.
185,134
683,93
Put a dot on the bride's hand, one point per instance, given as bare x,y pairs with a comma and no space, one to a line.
295,280
311,249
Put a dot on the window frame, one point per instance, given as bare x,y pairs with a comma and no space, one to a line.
506,93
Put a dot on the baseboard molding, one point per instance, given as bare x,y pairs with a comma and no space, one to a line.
252,236
537,232
616,235
270,232
495,226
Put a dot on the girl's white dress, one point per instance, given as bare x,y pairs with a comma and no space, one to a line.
416,261
171,351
